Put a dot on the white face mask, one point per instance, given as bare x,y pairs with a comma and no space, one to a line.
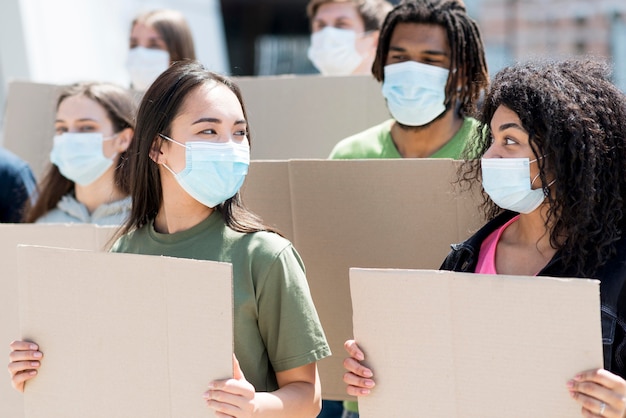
507,182
333,51
214,171
144,65
415,92
79,156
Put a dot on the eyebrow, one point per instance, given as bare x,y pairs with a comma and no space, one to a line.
514,125
79,120
429,52
216,120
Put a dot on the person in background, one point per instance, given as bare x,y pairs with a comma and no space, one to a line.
345,34
17,184
157,39
88,180
552,170
431,62
188,160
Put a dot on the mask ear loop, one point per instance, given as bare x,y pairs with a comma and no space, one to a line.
546,189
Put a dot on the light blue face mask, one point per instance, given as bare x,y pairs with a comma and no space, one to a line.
214,171
507,182
415,92
79,156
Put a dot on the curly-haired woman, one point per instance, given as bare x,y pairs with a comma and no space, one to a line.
553,171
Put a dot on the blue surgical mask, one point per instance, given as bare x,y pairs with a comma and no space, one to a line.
79,156
415,92
507,182
214,171
333,51
144,65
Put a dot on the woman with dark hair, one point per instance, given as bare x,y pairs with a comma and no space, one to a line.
88,181
552,169
157,39
188,160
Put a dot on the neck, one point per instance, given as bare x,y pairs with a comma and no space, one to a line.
424,141
100,192
178,211
531,230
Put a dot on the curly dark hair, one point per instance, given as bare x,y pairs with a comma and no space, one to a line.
468,67
576,120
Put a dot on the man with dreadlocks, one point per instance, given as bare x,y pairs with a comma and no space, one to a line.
431,62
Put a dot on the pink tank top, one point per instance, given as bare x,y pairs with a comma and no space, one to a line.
487,255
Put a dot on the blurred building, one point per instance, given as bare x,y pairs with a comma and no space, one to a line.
516,30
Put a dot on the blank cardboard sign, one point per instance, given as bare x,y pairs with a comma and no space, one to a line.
370,213
76,236
124,335
445,345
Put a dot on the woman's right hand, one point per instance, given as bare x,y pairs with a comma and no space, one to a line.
358,377
25,359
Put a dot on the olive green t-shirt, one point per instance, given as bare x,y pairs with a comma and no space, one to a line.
376,142
276,327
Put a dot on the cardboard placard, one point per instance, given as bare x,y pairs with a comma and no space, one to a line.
124,335
78,236
401,213
444,344
304,116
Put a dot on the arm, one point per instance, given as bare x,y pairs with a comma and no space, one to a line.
299,395
600,393
24,360
357,377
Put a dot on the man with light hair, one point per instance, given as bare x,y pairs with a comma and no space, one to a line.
345,34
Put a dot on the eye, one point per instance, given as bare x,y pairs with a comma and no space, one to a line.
241,133
209,132
509,141
87,128
399,58
60,130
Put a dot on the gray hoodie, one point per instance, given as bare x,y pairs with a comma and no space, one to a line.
70,210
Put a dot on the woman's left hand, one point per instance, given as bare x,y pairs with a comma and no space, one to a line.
232,398
600,393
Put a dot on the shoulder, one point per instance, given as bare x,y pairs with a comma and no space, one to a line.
265,244
13,167
366,144
464,256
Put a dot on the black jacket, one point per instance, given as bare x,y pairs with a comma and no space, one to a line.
612,276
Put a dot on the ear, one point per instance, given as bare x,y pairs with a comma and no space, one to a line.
156,154
123,140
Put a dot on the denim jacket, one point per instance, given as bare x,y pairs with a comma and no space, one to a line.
612,276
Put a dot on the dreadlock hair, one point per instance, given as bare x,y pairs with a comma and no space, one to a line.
576,120
468,67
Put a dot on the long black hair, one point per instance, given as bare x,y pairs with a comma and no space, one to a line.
159,106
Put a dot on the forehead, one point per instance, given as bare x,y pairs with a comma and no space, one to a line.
330,12
80,107
504,115
211,99
424,36
143,31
